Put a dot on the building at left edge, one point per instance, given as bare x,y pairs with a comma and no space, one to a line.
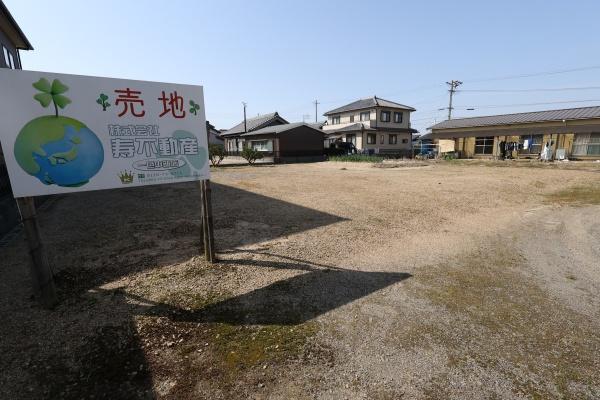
12,40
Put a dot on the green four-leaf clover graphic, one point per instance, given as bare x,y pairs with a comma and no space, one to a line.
194,107
51,93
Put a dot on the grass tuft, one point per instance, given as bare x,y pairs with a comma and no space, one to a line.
578,195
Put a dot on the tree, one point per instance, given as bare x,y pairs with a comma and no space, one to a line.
216,153
251,155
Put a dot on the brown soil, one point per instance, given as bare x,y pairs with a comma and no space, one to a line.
445,280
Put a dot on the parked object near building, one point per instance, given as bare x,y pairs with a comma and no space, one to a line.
372,125
296,142
573,133
234,142
12,40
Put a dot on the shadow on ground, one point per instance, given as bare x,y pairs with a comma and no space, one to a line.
90,345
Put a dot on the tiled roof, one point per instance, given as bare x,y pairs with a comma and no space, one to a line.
255,123
280,128
521,118
369,103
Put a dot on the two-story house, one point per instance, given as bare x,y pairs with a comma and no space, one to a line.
373,125
12,39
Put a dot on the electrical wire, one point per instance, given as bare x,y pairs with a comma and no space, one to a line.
566,89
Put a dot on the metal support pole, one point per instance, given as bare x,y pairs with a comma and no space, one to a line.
41,273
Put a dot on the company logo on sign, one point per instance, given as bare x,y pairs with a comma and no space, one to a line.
56,149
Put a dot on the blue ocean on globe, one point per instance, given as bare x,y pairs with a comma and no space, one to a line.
72,160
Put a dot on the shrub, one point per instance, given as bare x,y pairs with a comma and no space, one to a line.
251,155
216,153
357,158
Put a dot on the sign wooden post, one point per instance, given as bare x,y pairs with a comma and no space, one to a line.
207,221
41,273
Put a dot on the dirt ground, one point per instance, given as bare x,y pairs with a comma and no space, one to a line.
449,280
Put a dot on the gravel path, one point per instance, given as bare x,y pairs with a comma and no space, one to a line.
338,280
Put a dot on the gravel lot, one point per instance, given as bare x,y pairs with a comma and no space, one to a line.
447,280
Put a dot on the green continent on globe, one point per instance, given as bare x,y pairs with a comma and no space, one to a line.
37,133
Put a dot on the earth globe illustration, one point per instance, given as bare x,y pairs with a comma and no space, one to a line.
57,149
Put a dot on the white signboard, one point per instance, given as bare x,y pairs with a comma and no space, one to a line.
69,133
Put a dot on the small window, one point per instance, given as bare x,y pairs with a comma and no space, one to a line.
335,120
393,139
398,117
385,116
382,139
11,59
404,140
352,118
6,55
530,144
365,116
371,138
484,145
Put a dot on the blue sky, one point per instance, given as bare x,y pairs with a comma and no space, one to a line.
282,55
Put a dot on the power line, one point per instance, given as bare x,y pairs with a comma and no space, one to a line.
555,72
529,104
566,89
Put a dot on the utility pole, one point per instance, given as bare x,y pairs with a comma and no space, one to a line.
245,127
316,110
453,85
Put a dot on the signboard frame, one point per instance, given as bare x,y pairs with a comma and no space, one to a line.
104,133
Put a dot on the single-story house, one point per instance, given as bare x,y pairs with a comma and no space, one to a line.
233,140
571,133
295,142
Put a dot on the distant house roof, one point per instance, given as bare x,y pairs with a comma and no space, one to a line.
368,103
521,118
10,27
255,123
276,129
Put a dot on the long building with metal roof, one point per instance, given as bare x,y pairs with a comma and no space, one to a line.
566,133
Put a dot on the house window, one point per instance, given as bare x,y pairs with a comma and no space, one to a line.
385,116
404,140
351,138
484,145
352,118
365,116
8,58
382,139
587,144
371,138
531,144
393,139
261,145
398,117
335,120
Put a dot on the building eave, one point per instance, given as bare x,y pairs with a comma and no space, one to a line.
21,44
